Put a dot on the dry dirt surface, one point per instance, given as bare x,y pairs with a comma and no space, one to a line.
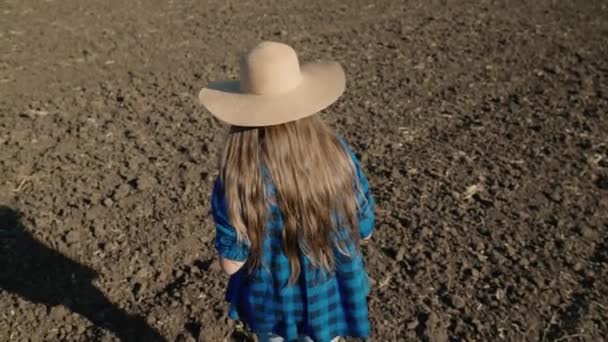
482,125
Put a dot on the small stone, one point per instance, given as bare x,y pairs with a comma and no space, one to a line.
58,312
92,197
555,300
395,173
510,250
477,324
52,335
122,191
80,329
412,325
145,182
496,257
474,273
108,202
400,253
98,229
589,233
555,196
436,327
72,237
457,302
142,273
425,231
578,266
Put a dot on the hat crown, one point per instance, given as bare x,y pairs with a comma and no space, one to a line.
269,69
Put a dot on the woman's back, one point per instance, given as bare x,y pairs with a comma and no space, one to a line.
321,303
314,184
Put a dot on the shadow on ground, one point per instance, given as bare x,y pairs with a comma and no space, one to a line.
39,274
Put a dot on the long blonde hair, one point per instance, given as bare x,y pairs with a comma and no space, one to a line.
314,178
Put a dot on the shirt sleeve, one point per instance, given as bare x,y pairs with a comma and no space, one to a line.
365,201
226,242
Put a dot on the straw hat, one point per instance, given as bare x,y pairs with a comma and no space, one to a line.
274,88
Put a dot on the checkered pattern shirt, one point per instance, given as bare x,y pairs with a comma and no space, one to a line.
320,305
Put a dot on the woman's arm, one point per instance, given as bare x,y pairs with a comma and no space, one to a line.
232,252
231,266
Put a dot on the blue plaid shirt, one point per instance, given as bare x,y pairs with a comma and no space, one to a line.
320,305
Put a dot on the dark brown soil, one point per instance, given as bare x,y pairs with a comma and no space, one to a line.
482,125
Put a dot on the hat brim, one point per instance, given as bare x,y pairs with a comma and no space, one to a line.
322,84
